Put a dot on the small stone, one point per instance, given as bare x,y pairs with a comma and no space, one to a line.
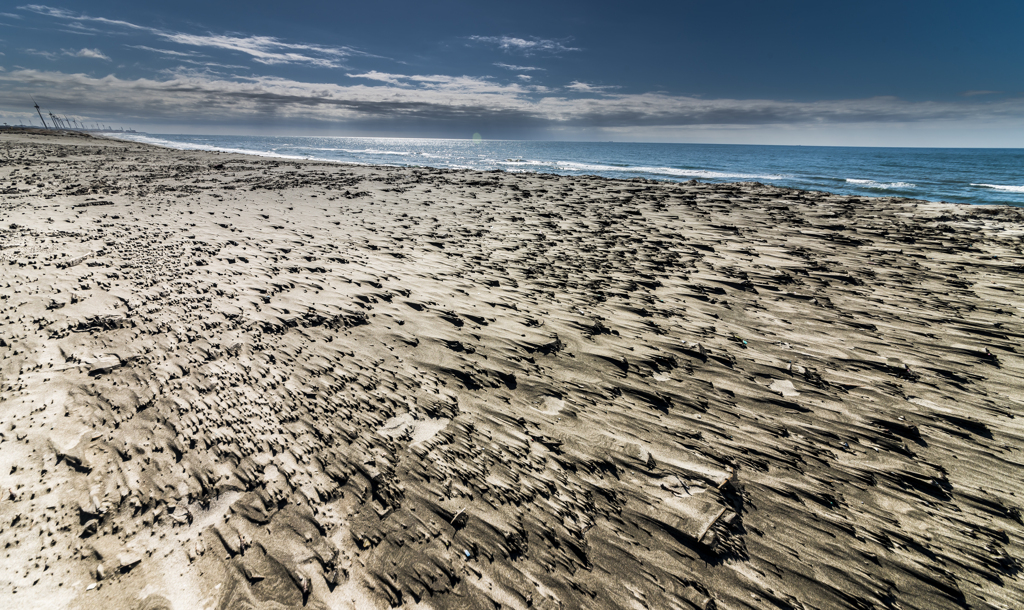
90,528
128,560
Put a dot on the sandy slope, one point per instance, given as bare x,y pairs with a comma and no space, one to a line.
233,382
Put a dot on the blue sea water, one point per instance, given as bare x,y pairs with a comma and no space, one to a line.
959,175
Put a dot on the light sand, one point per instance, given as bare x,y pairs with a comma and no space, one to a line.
235,382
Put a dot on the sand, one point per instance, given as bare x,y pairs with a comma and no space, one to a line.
242,382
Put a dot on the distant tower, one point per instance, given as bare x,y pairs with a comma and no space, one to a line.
40,114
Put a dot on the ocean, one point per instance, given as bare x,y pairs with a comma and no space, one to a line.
958,175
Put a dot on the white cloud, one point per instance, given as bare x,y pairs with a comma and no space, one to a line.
517,68
444,99
162,51
266,49
213,64
465,84
191,57
393,79
60,13
579,87
526,46
263,49
524,77
89,53
47,54
441,82
79,28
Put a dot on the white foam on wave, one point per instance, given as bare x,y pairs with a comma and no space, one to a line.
1002,187
637,169
368,151
872,184
666,171
517,162
372,151
207,148
516,165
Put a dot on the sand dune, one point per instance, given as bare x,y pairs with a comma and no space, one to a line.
235,382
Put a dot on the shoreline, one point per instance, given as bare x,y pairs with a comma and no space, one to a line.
239,381
974,190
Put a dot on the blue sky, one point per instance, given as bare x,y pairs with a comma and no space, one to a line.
895,73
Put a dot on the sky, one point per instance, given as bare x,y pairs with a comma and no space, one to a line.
866,73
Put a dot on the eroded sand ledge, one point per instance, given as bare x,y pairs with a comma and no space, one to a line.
238,382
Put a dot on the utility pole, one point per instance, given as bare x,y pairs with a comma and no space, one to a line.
40,113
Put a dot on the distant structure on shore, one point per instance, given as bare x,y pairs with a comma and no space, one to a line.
63,123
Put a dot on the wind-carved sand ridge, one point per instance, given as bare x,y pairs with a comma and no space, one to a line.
234,382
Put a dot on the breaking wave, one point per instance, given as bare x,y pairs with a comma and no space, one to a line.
871,184
1002,187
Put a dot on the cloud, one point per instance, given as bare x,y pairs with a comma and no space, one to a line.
46,54
78,28
517,68
10,15
465,85
579,87
163,51
974,93
60,13
89,53
526,46
265,50
441,82
524,77
209,64
197,98
393,79
188,58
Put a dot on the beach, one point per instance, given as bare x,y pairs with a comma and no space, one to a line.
240,382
